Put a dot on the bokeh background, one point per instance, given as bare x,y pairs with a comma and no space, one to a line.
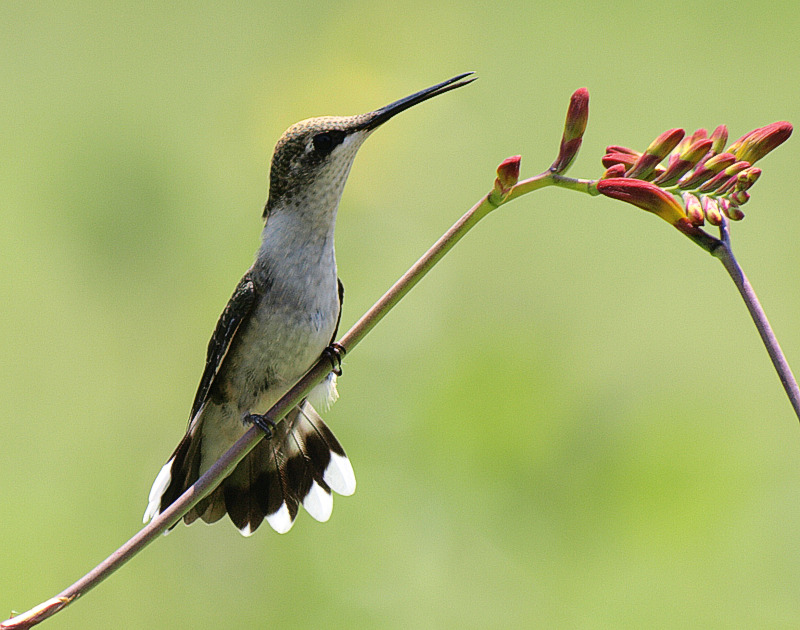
570,423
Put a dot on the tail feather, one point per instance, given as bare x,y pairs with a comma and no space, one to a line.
328,455
241,500
209,510
300,465
180,472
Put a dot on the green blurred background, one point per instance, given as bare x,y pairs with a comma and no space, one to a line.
570,423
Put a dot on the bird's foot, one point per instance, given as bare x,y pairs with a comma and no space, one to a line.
262,422
335,353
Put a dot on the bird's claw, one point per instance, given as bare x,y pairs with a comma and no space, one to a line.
262,422
335,353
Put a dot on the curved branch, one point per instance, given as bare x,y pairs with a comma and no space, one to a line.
222,468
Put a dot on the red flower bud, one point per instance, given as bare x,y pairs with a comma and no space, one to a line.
626,159
719,138
723,176
508,172
726,187
756,144
643,195
616,170
719,162
731,210
740,197
747,178
707,170
700,134
693,209
574,127
697,150
685,162
615,148
507,177
711,209
655,153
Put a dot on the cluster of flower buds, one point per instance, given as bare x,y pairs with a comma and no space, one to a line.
700,181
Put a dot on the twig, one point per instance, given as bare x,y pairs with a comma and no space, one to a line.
214,475
728,260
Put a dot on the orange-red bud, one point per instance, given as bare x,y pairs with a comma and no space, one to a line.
731,210
574,127
719,162
719,138
626,159
684,163
507,177
616,170
707,170
747,178
740,197
644,195
756,144
616,148
655,153
711,209
508,171
693,208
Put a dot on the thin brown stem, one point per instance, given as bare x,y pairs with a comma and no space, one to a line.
222,468
725,255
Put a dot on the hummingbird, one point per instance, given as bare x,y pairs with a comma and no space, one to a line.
282,317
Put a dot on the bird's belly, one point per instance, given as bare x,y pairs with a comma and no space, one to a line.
280,343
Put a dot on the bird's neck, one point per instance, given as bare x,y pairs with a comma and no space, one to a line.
298,240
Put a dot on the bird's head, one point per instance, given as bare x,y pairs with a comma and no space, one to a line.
313,157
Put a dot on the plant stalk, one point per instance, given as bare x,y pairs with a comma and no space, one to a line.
223,467
725,255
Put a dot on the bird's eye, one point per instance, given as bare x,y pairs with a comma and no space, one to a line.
325,142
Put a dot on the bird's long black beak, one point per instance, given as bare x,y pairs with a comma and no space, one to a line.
380,116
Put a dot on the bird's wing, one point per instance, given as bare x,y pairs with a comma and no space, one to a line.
339,316
238,309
